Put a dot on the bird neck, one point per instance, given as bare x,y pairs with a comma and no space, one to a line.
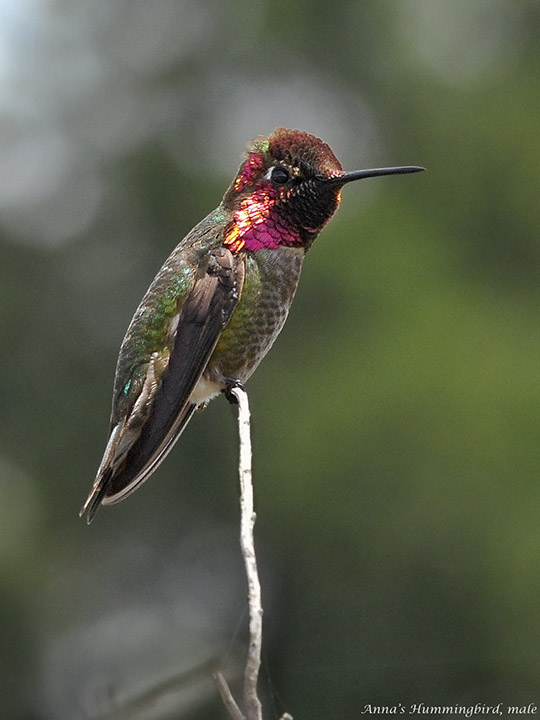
257,223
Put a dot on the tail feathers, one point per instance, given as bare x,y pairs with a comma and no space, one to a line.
128,463
94,500
104,474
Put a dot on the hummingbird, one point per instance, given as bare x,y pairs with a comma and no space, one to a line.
218,303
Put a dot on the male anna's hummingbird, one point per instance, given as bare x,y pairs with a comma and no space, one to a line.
218,303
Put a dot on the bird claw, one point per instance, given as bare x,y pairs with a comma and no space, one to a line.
230,384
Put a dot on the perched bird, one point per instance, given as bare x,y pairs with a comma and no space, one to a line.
218,303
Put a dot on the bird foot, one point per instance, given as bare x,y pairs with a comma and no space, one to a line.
230,384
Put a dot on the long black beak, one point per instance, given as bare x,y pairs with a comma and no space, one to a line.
374,172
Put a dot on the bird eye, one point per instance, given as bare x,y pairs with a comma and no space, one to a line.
279,175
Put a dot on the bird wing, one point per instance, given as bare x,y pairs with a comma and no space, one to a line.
152,404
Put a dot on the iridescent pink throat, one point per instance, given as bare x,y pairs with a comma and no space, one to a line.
258,224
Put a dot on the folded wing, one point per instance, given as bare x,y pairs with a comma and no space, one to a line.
160,409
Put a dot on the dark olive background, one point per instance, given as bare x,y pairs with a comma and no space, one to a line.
395,422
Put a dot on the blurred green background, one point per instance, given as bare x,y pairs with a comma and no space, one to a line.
396,420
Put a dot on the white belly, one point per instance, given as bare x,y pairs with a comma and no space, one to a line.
204,390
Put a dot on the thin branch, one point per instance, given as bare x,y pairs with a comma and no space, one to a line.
252,704
226,696
137,705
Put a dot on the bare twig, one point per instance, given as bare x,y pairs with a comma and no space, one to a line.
252,704
136,706
226,696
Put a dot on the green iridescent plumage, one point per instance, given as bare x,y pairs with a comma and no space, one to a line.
218,303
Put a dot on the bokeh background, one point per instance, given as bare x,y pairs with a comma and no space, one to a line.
396,422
